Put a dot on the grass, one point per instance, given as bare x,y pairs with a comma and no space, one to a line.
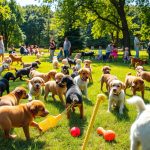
59,137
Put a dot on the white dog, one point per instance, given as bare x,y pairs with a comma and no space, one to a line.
78,64
55,62
116,95
35,87
140,129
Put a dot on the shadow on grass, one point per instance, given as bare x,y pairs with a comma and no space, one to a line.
19,144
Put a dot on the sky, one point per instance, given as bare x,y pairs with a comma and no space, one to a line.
27,2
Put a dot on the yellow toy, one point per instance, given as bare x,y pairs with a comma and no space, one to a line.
100,98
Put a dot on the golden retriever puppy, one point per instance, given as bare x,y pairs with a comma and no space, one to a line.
65,62
107,79
55,88
87,64
116,95
45,76
14,97
21,116
136,84
106,70
138,70
35,87
15,58
82,80
55,62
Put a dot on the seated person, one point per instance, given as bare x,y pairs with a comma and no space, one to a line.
60,54
23,50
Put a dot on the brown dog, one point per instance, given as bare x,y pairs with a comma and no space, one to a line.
14,97
21,116
45,76
107,78
29,64
136,84
106,70
145,75
15,58
55,88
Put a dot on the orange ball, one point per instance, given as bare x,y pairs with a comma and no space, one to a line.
109,135
100,130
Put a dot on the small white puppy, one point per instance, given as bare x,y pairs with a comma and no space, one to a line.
55,62
116,95
140,129
35,87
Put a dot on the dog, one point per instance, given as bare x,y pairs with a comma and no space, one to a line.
7,61
71,61
55,88
78,64
75,72
140,131
82,80
34,64
55,62
107,79
65,70
106,70
35,87
136,84
73,95
4,66
65,62
15,59
24,71
4,82
91,54
45,76
21,116
87,64
139,69
77,56
14,97
116,95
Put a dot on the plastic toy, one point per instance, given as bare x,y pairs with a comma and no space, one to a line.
100,98
108,135
75,131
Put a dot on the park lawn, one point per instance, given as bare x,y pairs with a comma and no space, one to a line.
59,138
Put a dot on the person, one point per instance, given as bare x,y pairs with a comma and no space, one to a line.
60,54
52,47
137,45
126,56
100,55
148,50
2,49
114,52
108,51
23,50
67,47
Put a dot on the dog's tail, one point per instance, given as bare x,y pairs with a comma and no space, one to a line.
74,98
128,74
138,101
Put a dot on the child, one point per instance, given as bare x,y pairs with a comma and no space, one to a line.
100,55
114,53
126,56
60,54
148,50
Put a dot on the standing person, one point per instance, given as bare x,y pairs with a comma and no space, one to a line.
148,50
67,47
108,51
137,45
52,47
2,49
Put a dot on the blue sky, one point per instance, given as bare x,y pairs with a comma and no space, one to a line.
28,2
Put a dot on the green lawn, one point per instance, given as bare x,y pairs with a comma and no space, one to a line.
59,138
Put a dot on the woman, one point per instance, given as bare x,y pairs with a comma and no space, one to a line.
52,49
1,47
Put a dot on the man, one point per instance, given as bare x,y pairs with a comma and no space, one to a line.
137,45
67,47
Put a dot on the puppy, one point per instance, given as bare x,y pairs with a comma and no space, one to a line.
4,82
65,62
34,64
82,80
73,95
140,131
77,56
91,54
116,95
136,84
75,72
78,64
4,66
71,61
55,62
22,72
106,70
65,70
21,116
138,70
15,58
87,64
14,97
55,88
107,79
35,87
45,76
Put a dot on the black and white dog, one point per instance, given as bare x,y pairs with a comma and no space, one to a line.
91,54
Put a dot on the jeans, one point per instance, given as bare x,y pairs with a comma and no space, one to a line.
66,53
137,52
51,54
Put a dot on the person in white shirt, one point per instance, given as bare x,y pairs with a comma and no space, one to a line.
2,49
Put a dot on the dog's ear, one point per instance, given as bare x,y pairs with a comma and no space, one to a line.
27,80
42,82
123,85
80,71
34,109
141,81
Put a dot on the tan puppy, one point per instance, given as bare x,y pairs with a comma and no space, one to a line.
13,97
15,58
87,64
35,87
136,84
45,76
106,70
55,62
21,116
29,64
55,88
139,69
107,78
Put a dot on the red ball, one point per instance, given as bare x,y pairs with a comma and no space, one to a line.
75,131
109,135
